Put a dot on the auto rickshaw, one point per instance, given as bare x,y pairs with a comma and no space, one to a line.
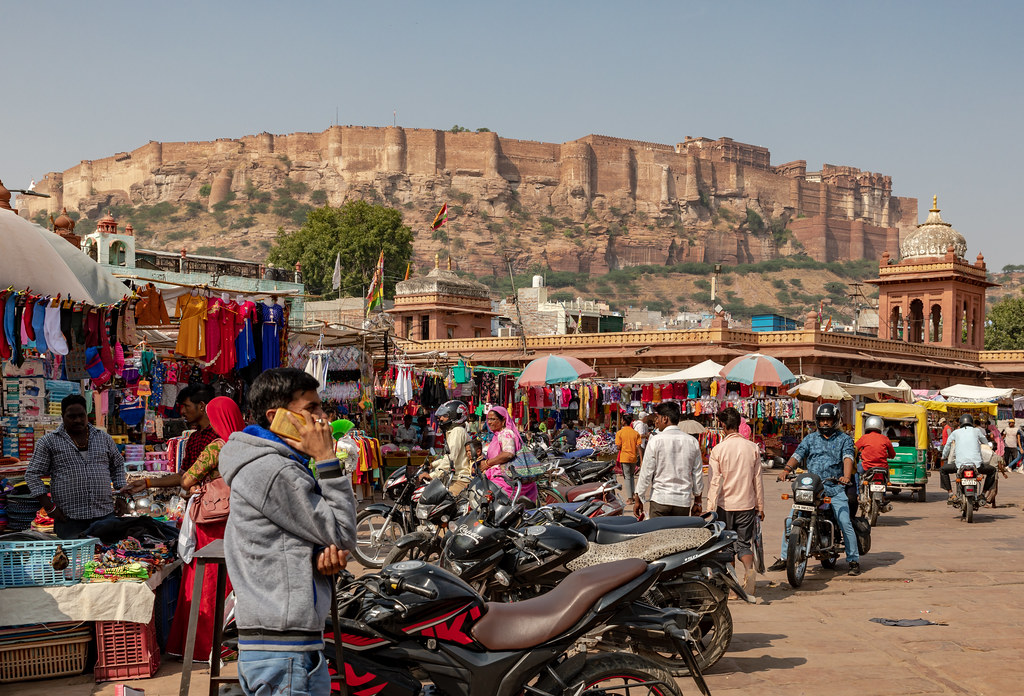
908,470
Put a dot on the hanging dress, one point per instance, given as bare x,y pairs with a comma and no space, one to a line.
273,321
244,347
192,330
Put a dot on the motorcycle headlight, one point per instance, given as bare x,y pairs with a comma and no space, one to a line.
422,512
802,496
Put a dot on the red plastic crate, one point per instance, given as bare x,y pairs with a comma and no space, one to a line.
126,650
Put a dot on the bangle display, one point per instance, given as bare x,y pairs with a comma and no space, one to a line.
147,483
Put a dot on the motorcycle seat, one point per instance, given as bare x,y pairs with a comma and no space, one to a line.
649,547
587,467
578,492
580,453
532,622
618,532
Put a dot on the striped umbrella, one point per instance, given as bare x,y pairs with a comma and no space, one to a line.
553,369
758,369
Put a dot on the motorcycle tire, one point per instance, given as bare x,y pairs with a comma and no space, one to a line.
873,511
796,558
371,555
713,634
968,510
421,552
547,495
612,673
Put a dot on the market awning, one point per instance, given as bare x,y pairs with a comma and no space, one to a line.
645,376
967,392
876,390
945,406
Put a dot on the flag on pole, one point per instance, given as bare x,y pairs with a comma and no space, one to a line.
407,267
336,278
440,218
375,298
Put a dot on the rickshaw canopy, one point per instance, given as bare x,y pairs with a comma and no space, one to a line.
917,412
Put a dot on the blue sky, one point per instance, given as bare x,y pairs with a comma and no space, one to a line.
927,92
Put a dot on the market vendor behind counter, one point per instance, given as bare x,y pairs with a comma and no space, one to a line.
82,463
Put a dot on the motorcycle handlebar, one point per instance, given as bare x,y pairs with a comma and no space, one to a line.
403,585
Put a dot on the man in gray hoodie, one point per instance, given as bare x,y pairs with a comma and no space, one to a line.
283,536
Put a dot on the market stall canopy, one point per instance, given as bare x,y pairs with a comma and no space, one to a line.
819,388
554,369
46,263
967,392
759,370
646,377
708,369
876,390
947,406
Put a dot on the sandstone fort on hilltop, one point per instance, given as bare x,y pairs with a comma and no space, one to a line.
836,213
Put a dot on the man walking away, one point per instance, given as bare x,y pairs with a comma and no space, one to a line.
627,441
82,463
672,472
737,491
283,536
1013,454
965,443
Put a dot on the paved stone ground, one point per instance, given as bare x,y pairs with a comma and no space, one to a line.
924,563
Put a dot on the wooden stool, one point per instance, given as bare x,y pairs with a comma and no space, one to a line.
211,553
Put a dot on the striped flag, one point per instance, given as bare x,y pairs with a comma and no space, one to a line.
375,298
440,218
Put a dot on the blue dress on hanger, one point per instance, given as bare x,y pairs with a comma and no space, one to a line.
245,348
273,322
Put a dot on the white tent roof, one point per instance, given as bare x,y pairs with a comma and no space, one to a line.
966,392
708,369
878,389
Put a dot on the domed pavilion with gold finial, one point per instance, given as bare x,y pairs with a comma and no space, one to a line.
933,294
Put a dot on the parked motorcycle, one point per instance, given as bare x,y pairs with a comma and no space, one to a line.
505,557
598,499
415,623
874,483
970,494
380,525
814,531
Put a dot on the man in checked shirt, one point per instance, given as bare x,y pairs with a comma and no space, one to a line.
82,463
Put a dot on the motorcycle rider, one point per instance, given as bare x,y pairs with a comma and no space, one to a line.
829,453
451,417
874,448
965,443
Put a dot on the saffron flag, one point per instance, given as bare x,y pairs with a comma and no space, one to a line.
407,267
375,298
440,218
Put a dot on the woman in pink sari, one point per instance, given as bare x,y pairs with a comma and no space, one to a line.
502,450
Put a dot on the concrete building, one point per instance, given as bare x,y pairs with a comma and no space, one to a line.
542,316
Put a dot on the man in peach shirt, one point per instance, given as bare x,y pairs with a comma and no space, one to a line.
736,491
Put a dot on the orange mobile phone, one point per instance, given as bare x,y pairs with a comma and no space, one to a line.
286,424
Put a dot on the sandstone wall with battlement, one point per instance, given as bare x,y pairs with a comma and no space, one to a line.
420,166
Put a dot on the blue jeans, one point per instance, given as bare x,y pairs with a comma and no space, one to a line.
271,673
1019,455
841,509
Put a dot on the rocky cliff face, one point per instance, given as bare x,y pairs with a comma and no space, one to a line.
589,205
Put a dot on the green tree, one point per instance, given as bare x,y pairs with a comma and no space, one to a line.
1004,328
358,231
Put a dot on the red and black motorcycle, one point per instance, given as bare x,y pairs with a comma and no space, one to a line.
874,483
417,629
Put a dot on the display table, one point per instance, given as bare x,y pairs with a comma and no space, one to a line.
92,601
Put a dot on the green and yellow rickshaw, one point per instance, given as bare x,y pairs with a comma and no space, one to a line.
907,426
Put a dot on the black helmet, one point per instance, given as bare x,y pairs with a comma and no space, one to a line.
827,412
966,419
452,413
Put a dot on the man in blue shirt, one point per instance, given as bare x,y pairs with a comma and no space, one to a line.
829,453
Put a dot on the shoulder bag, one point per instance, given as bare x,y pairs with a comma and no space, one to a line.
212,503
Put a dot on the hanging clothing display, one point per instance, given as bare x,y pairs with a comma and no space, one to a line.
192,309
272,322
245,350
150,309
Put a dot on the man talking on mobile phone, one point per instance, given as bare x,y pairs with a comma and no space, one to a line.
284,535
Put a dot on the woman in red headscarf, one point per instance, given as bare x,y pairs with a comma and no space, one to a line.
225,418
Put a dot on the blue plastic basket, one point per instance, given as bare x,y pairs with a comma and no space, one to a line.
28,563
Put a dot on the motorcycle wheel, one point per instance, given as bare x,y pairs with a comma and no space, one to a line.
796,556
548,496
713,634
420,552
369,554
873,511
620,673
968,510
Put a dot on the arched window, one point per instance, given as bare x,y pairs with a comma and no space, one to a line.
916,323
118,254
936,323
92,249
